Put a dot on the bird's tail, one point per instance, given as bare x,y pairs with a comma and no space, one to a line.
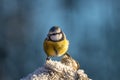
67,54
68,60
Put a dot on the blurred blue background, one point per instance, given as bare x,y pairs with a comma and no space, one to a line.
92,27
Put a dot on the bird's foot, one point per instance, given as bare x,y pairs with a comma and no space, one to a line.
48,58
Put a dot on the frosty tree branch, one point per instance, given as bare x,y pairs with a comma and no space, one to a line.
66,69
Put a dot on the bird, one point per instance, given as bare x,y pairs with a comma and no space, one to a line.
55,44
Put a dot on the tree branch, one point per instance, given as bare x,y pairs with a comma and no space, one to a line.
66,69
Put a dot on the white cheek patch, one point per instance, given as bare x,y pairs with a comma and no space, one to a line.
56,37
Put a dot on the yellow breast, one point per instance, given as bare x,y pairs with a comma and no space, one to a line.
56,48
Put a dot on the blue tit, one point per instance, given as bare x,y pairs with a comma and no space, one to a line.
56,43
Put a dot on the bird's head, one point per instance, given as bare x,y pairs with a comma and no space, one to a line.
55,34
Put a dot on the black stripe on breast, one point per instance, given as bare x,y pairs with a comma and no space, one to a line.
56,52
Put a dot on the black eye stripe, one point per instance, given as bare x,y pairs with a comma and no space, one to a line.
55,33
